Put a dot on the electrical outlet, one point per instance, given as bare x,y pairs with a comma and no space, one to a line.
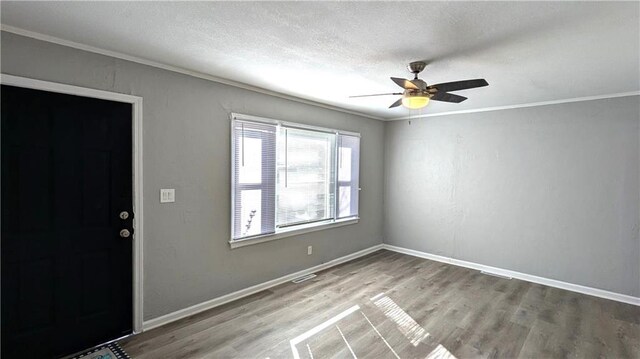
309,250
167,195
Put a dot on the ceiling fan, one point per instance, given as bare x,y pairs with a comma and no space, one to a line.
417,93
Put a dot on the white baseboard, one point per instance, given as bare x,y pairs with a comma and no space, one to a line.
522,276
182,313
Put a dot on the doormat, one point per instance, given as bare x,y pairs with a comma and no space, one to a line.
107,351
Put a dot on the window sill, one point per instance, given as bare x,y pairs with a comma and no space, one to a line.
292,232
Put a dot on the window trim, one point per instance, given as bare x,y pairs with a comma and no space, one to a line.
242,117
292,230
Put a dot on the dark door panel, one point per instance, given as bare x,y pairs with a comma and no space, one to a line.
66,176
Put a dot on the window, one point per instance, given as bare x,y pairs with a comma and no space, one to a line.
287,176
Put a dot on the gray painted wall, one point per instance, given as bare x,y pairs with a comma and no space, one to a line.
551,191
187,259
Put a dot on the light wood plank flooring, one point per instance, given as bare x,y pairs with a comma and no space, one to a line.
391,305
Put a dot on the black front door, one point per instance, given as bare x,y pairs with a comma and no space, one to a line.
66,178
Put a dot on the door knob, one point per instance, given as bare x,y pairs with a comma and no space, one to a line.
124,215
124,233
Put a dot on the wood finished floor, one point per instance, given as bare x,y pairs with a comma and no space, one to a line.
391,305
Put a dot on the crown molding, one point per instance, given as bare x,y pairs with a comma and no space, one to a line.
523,105
181,70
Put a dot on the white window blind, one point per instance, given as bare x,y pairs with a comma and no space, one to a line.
286,175
348,175
305,176
254,156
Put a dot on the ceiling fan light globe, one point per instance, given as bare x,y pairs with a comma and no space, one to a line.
415,102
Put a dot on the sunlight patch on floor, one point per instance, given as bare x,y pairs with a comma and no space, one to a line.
440,352
407,326
346,342
380,335
317,329
309,350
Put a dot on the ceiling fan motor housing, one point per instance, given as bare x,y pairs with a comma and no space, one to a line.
416,67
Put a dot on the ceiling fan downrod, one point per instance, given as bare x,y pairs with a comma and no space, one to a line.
416,67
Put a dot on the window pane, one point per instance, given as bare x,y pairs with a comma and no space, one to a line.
344,201
344,164
305,179
250,212
253,186
348,175
250,168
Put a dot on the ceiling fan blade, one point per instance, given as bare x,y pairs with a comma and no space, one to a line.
459,85
396,104
447,97
378,94
404,83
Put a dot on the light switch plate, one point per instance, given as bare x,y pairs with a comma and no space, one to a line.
167,195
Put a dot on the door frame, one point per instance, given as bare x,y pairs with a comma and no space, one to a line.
137,170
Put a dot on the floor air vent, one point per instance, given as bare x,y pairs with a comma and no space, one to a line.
303,278
495,275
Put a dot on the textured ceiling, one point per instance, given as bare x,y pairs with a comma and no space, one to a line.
326,51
